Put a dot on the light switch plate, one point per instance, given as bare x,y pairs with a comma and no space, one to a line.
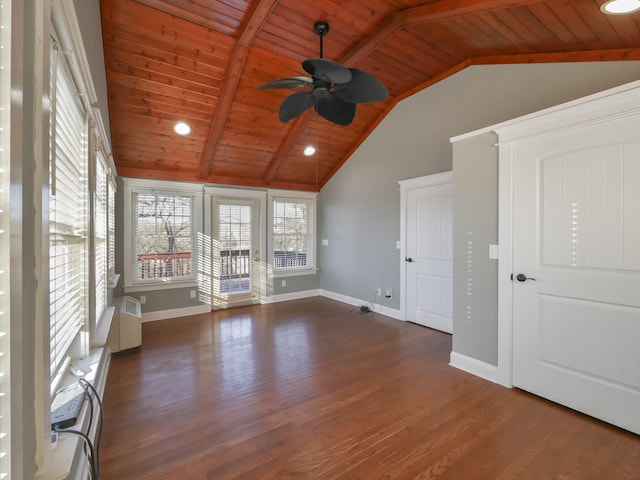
493,252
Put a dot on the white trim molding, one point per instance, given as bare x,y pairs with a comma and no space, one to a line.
175,313
474,366
285,297
375,307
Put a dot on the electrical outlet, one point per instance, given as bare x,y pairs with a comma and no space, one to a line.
388,293
379,292
284,283
143,299
192,293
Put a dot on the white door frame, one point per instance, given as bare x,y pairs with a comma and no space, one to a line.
598,108
211,193
436,179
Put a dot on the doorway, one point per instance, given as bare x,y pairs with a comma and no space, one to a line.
427,257
236,267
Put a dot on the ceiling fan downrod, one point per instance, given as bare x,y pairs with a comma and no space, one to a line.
321,29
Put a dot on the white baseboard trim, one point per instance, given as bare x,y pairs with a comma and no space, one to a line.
285,297
175,312
474,366
381,309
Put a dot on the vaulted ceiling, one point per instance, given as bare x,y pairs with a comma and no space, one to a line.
200,61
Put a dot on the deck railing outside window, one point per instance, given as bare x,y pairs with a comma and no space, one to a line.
233,263
164,265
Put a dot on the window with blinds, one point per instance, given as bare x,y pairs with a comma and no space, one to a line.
111,228
100,235
292,234
67,212
163,243
5,258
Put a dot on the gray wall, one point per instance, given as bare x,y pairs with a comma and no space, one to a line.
475,210
360,206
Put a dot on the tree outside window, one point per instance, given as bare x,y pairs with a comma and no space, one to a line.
291,232
163,237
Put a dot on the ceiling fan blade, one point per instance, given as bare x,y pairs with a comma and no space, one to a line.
326,70
288,82
363,88
335,110
294,105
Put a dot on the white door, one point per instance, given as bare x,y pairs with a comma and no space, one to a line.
429,254
235,252
576,247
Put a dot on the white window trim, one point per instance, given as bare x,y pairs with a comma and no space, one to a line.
59,19
133,185
292,195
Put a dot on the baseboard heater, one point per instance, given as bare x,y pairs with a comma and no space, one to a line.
126,328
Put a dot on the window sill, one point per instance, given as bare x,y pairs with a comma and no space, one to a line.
113,280
102,332
67,459
294,273
148,287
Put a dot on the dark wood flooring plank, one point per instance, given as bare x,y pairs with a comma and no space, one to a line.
313,389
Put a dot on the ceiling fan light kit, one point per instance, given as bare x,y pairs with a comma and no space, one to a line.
620,7
335,89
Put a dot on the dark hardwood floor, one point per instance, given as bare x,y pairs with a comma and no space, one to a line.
314,389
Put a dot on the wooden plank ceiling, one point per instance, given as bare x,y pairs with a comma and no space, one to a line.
200,61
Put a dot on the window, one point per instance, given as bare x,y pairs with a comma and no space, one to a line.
163,236
293,234
68,217
111,231
100,234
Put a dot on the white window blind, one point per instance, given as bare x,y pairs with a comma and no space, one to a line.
5,258
100,235
111,228
292,234
163,236
67,213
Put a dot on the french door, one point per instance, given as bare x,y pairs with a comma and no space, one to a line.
235,254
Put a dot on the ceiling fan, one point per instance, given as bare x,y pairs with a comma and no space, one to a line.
335,89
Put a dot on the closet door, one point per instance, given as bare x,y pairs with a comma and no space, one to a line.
576,269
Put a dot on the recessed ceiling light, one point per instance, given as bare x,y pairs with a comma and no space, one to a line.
620,7
310,150
182,128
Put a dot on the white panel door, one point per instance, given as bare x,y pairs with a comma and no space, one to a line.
429,256
576,247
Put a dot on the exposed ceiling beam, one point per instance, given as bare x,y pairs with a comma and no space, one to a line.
438,11
255,21
286,147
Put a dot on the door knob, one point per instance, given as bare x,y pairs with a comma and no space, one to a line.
521,277
408,259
